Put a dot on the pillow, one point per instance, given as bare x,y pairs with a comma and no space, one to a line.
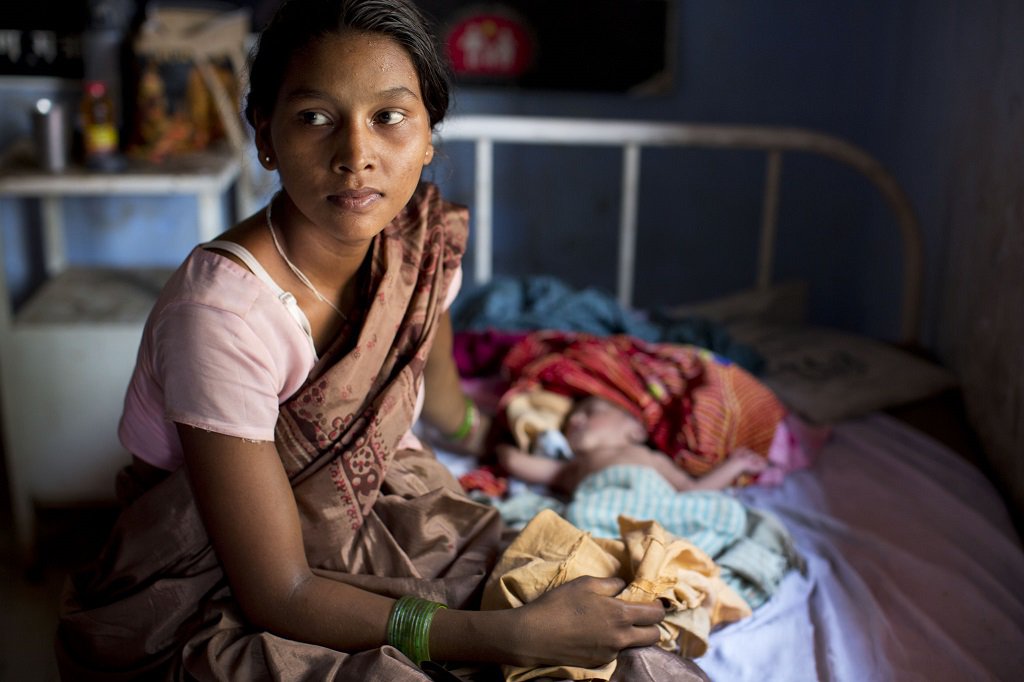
784,302
826,375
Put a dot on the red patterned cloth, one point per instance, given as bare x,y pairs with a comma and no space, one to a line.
696,406
486,481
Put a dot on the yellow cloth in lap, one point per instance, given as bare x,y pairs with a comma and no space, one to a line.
655,565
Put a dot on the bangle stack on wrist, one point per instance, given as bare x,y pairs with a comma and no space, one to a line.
470,421
409,627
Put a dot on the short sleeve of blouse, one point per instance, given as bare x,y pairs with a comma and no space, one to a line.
217,372
453,289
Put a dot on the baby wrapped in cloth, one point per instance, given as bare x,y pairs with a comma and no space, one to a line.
697,407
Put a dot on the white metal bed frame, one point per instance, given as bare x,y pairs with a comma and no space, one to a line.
632,136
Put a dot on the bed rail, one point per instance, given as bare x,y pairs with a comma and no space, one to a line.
632,136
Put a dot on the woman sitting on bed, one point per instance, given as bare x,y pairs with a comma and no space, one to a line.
282,521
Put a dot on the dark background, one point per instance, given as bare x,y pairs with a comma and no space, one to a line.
578,45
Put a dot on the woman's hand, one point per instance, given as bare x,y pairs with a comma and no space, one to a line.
581,623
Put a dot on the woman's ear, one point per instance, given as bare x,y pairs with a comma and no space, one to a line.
264,144
429,156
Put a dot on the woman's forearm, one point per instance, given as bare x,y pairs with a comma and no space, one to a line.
445,404
340,616
328,613
481,636
579,623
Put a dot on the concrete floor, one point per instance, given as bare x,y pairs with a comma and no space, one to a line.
27,622
29,614
30,587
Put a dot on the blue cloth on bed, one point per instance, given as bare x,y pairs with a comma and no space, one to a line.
543,302
752,549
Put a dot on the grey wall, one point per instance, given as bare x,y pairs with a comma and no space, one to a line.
834,66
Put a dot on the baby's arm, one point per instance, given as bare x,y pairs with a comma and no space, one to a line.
740,461
529,468
671,471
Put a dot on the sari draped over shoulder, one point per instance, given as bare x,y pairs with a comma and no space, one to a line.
156,603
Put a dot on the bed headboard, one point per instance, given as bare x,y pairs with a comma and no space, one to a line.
633,136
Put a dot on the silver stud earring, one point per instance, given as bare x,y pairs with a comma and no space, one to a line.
267,158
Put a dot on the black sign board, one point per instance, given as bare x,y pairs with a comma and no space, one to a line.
571,45
42,38
581,45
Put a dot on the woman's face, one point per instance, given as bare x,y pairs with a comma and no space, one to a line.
349,134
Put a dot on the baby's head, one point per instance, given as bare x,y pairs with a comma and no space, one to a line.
299,23
596,422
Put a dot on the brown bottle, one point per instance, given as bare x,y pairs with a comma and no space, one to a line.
99,127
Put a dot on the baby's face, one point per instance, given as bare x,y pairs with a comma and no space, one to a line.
596,422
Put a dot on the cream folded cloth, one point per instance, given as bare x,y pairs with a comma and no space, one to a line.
551,551
532,413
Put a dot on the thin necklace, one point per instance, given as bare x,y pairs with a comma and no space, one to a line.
294,269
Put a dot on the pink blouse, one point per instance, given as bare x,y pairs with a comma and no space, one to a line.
222,349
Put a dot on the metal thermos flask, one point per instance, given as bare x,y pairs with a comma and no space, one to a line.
49,124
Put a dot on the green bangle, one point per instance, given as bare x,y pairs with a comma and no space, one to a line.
409,627
469,418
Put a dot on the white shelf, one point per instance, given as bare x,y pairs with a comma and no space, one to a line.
202,172
67,354
204,175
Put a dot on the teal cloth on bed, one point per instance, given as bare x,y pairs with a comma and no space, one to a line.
752,549
710,520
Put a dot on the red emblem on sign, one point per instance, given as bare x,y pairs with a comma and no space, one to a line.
489,45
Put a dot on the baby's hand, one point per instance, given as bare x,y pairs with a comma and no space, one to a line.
749,461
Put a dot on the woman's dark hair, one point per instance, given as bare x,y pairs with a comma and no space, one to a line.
301,22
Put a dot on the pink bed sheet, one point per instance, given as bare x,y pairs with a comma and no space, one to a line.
914,570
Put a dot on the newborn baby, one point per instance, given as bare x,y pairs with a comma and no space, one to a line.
600,434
